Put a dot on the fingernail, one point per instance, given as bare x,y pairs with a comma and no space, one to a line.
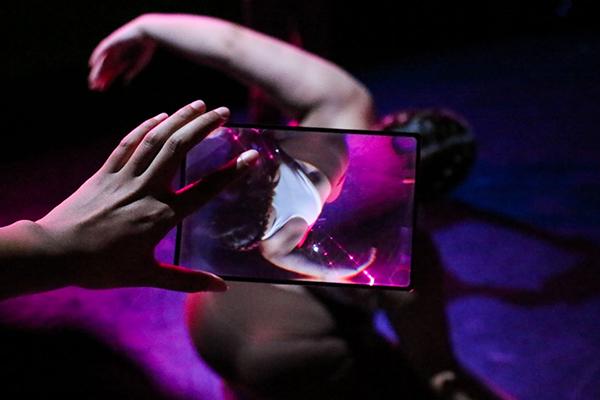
218,285
161,116
223,112
247,159
198,105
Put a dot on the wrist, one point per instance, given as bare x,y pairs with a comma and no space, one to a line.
40,240
29,260
53,253
25,240
142,22
148,25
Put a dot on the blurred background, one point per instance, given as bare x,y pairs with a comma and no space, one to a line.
516,283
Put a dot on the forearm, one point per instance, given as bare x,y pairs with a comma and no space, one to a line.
26,263
301,84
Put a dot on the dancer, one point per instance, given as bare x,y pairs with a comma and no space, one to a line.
268,341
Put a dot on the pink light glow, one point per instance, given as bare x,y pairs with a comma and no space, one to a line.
303,238
371,278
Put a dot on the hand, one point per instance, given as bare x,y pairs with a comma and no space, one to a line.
123,54
107,230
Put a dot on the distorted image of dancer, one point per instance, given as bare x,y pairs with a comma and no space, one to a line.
273,210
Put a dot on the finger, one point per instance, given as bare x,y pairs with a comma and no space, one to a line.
135,69
96,54
140,63
103,73
128,144
152,143
100,49
106,71
173,151
181,279
194,195
94,75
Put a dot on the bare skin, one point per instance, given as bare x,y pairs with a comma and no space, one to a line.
256,333
104,234
307,88
310,89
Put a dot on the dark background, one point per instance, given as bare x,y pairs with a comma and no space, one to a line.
47,44
510,262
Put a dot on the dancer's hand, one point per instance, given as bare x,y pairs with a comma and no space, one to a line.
123,54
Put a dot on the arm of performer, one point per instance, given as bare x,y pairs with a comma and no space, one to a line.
308,88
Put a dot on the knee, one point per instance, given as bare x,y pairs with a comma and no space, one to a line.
270,355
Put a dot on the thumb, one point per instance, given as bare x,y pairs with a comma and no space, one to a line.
196,194
172,277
